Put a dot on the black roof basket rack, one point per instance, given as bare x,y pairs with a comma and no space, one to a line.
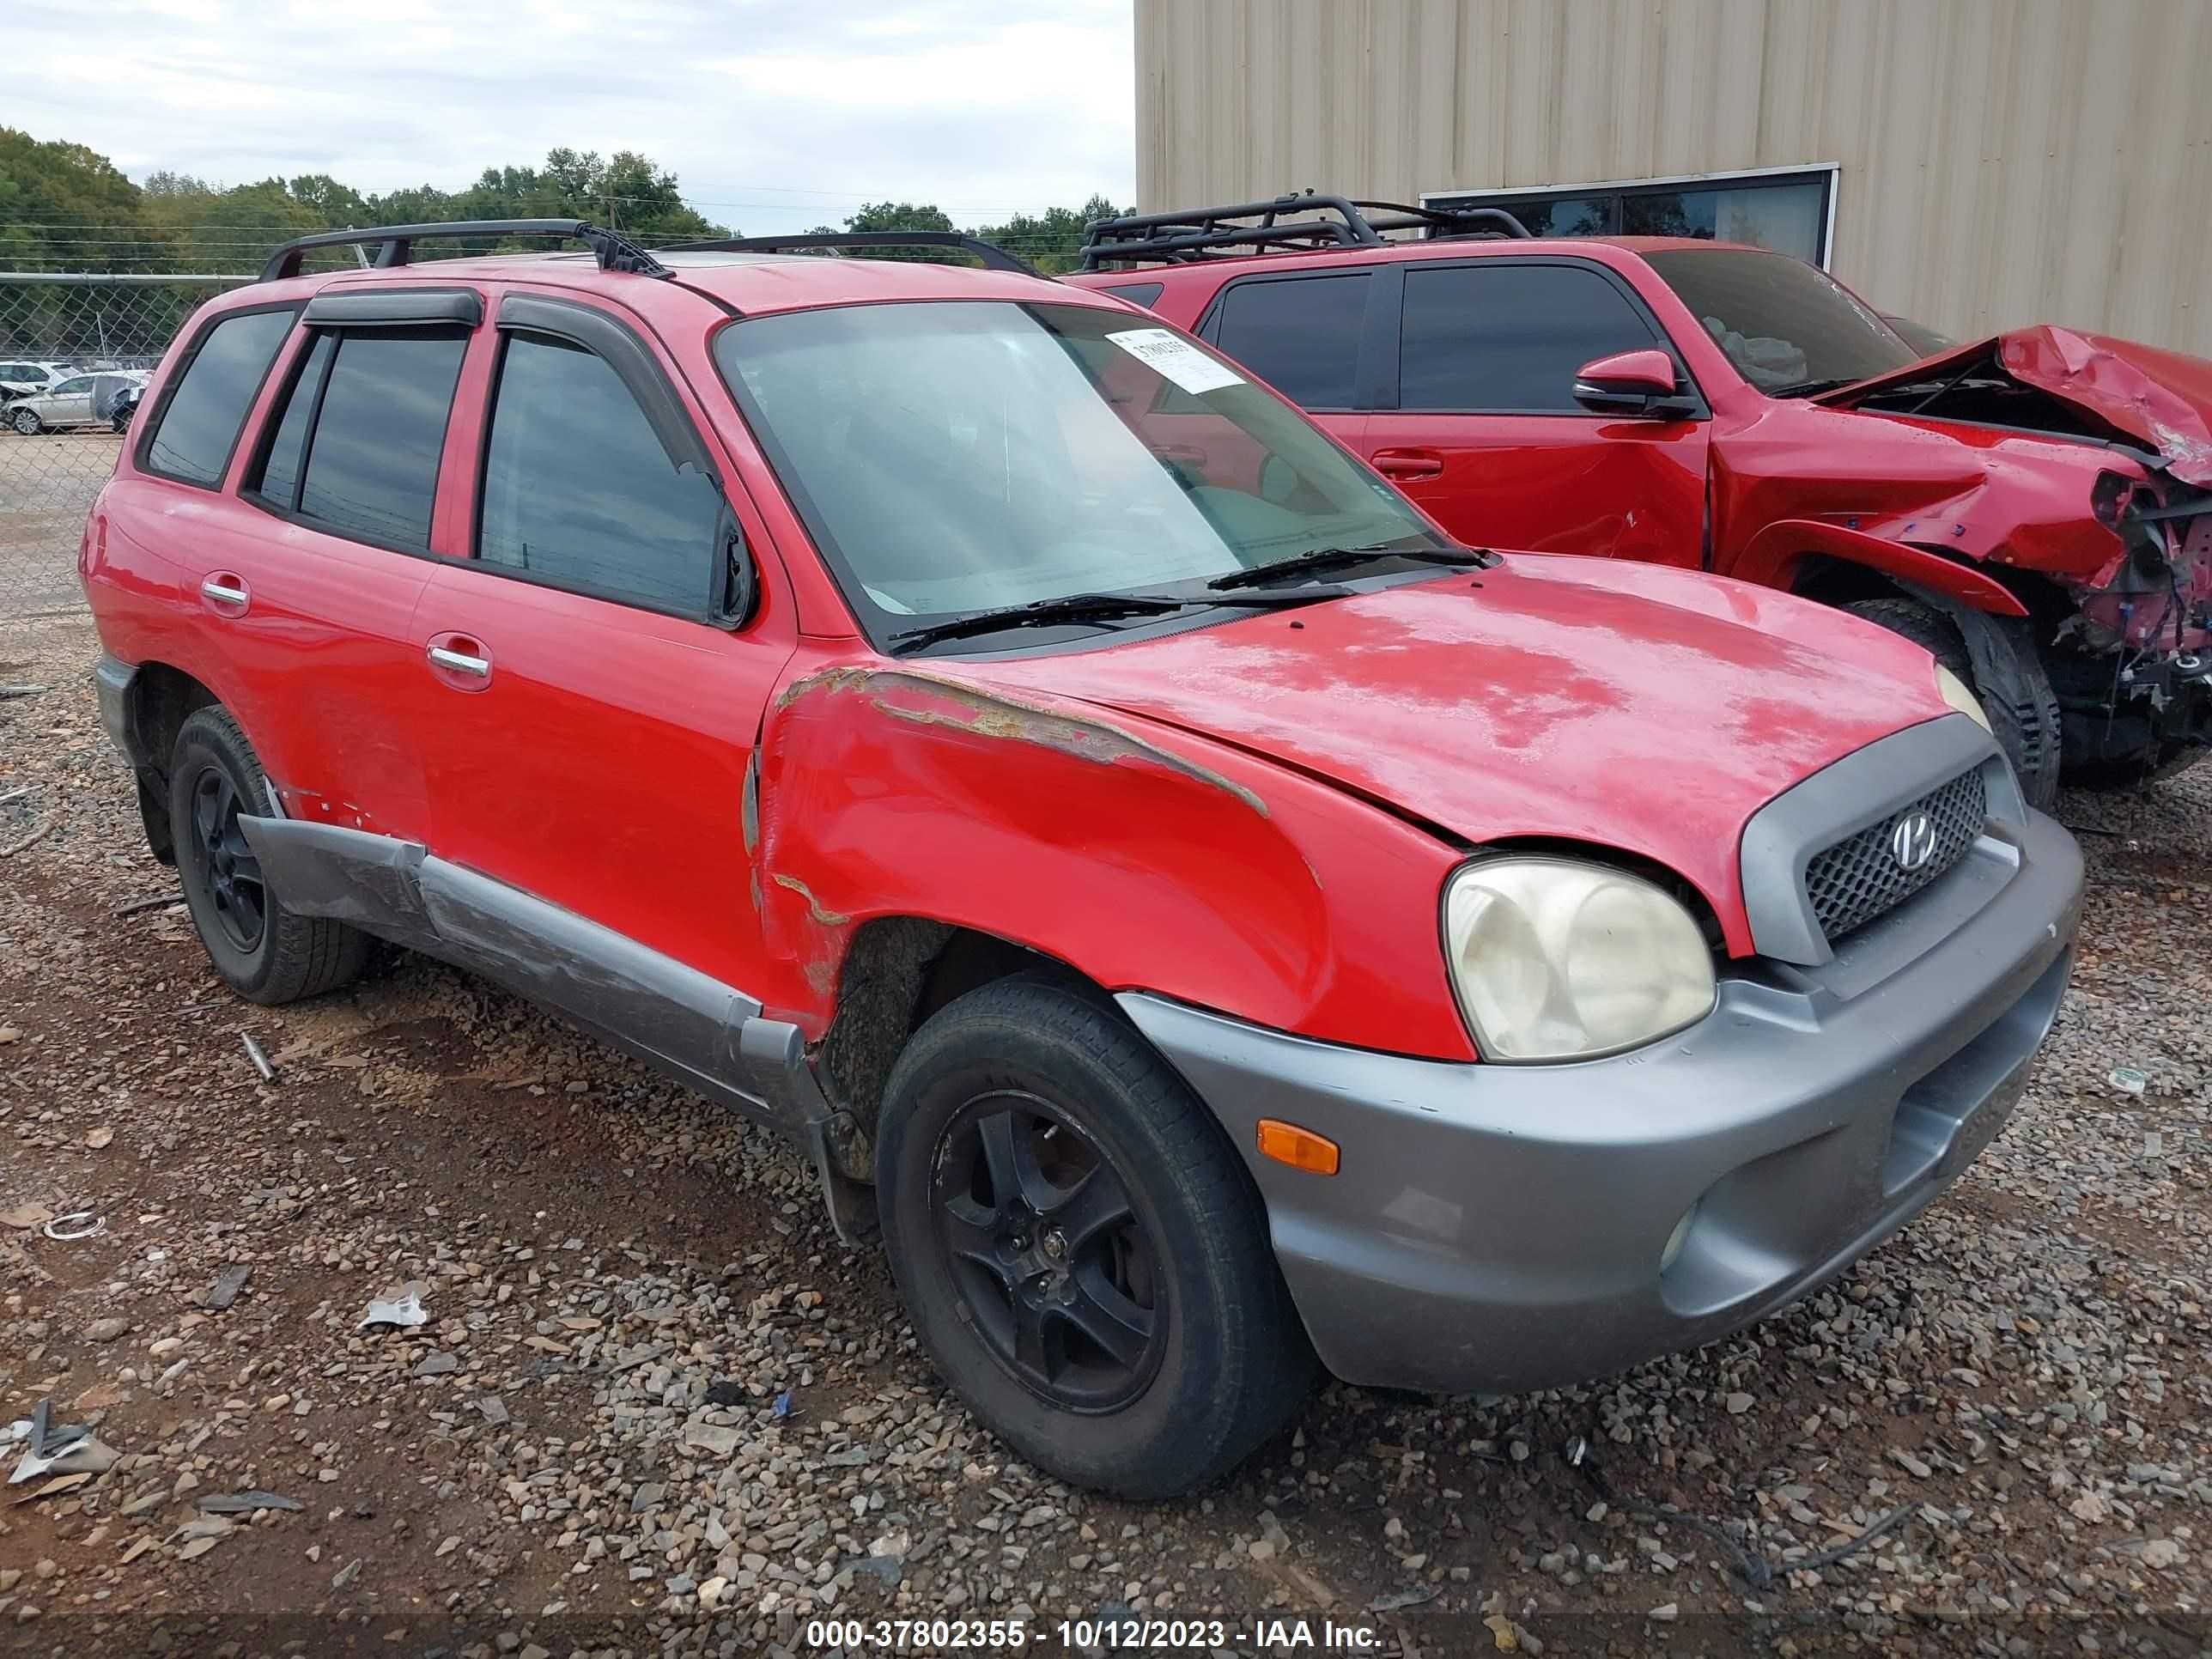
994,256
1291,221
395,243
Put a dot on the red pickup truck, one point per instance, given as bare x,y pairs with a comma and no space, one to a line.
2035,508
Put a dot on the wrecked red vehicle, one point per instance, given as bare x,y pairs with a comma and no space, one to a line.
2036,509
1215,926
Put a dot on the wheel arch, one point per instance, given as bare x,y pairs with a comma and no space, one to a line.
157,700
1816,560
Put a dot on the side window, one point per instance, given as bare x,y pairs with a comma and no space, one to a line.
579,490
356,448
279,481
1508,336
1301,335
72,387
192,438
1137,294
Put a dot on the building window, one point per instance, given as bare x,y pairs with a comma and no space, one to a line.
1789,210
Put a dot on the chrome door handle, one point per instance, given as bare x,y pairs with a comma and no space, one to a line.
460,662
222,592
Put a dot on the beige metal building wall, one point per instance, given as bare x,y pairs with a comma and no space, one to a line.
2004,162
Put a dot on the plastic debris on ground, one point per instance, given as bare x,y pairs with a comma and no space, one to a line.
783,1406
54,1449
243,1503
2127,1080
398,1311
224,1292
78,1223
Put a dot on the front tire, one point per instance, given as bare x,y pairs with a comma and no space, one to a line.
263,951
1083,1257
2023,711
26,422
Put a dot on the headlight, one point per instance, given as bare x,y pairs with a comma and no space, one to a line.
1557,960
1956,692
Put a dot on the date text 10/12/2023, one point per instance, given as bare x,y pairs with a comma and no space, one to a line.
1130,1635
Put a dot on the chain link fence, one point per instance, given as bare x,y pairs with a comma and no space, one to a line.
71,348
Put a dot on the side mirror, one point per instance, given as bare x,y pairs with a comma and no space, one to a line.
1637,383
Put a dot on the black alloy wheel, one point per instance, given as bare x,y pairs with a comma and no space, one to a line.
223,862
1036,1224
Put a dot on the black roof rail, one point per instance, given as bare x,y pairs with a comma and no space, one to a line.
1287,222
395,243
994,256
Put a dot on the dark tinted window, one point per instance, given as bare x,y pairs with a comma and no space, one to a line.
373,461
202,420
1137,294
578,489
1508,336
1301,336
1786,326
279,483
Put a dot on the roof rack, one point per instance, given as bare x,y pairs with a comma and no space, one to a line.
994,256
395,243
1194,233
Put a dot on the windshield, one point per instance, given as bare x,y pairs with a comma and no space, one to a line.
1788,327
963,456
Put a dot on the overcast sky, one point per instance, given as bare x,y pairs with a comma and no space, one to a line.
774,115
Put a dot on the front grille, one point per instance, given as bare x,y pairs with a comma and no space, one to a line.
1858,878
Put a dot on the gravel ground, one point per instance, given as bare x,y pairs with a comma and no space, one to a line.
656,1407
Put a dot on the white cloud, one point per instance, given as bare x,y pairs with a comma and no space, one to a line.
774,114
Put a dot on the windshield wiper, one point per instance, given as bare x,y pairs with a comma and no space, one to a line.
1338,558
1813,388
1087,607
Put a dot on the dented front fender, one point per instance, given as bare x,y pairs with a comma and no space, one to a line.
1152,859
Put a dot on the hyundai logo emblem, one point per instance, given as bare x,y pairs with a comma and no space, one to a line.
1912,840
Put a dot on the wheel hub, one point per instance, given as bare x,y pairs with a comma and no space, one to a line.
1043,1238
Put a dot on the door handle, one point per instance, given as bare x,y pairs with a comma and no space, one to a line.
1408,463
460,662
225,593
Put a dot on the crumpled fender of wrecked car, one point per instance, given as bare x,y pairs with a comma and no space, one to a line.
1148,858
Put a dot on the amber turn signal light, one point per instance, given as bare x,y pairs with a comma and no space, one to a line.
1301,1149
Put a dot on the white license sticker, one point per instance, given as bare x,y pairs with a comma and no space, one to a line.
1176,358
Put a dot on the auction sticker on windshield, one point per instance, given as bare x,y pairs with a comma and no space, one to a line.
1178,359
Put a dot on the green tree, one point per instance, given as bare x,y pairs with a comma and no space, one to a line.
1051,240
900,215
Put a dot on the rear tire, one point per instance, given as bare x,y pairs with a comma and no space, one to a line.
1017,1117
263,951
2023,716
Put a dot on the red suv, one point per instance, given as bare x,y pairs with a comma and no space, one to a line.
1209,918
2036,509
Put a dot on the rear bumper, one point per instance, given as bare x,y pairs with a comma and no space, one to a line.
114,679
1501,1228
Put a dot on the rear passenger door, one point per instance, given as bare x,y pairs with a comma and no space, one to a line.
1477,419
598,695
306,583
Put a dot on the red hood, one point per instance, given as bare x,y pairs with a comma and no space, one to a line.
1628,706
2160,400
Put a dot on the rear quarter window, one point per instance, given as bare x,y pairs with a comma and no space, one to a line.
197,426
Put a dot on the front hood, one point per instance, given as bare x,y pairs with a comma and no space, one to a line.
1632,707
2162,400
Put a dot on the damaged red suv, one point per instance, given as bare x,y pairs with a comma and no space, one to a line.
1214,923
2036,509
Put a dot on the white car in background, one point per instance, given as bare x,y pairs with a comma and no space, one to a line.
24,377
86,399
